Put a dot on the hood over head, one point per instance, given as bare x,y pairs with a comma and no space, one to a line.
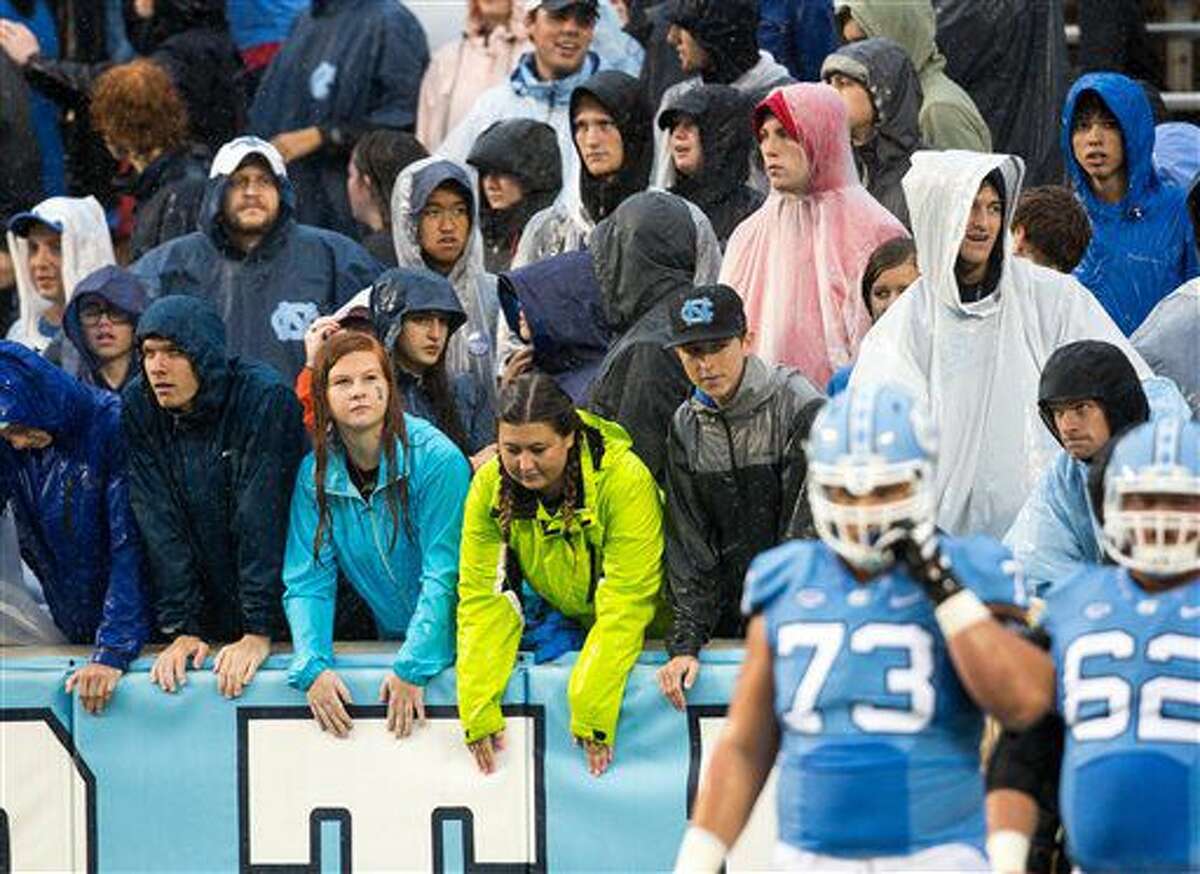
171,17
37,394
1127,101
726,29
722,114
1093,370
623,97
814,115
653,245
411,193
404,290
911,23
227,161
940,188
117,287
195,327
885,70
528,150
560,299
86,246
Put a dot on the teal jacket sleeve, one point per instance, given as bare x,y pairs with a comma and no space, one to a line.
310,586
440,479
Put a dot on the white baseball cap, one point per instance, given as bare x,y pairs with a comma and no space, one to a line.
234,152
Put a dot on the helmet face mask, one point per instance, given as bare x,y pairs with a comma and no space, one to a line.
869,472
1152,500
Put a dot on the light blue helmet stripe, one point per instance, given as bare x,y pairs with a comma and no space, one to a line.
1166,443
862,420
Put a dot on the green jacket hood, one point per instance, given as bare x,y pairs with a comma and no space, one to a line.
911,23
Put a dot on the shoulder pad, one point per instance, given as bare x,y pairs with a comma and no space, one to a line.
772,572
987,567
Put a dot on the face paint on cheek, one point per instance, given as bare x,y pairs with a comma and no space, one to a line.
380,395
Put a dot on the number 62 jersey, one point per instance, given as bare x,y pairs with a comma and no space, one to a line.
879,752
1128,673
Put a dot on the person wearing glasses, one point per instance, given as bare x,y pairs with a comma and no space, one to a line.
99,323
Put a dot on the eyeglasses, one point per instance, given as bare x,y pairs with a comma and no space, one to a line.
437,213
91,314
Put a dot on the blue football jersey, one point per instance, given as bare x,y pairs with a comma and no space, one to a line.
1128,665
880,743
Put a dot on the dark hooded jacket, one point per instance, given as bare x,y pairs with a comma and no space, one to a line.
71,504
644,253
726,29
400,292
169,194
528,150
885,70
648,24
1093,370
722,114
799,34
117,287
1011,57
211,486
347,67
21,179
190,40
1142,247
269,296
620,94
560,299
734,482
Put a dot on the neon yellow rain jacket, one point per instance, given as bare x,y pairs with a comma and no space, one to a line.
604,571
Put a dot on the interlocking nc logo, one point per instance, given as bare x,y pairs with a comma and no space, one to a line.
697,311
291,319
321,81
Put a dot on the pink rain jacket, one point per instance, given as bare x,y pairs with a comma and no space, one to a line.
462,70
798,261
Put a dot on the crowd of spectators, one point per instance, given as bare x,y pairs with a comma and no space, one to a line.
529,329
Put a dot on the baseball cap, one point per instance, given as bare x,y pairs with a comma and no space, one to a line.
237,150
21,223
710,312
592,7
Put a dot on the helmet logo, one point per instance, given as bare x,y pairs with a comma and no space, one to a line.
697,311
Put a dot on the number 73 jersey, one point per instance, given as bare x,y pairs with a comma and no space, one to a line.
1128,669
879,752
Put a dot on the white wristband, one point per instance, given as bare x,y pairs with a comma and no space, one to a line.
701,851
1008,851
959,612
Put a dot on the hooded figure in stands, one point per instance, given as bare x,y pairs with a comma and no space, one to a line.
1089,392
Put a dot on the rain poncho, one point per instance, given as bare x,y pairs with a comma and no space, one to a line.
560,299
1169,340
348,66
654,245
408,577
976,365
473,349
1142,247
720,188
621,95
524,95
71,505
269,296
883,68
949,118
210,486
463,69
527,150
86,246
1177,152
116,287
1056,529
798,261
169,195
1011,57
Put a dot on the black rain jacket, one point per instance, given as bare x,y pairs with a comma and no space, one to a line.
621,95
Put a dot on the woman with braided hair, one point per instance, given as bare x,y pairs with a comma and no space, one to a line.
379,499
570,509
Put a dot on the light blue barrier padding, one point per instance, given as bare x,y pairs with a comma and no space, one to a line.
173,774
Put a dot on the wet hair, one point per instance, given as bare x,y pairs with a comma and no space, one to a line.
338,346
137,108
435,382
893,253
1090,104
380,155
536,398
1055,222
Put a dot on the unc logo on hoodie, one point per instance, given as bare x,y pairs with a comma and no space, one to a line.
292,318
320,83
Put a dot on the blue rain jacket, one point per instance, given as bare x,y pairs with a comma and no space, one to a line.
210,487
410,581
1143,247
117,287
799,34
71,504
